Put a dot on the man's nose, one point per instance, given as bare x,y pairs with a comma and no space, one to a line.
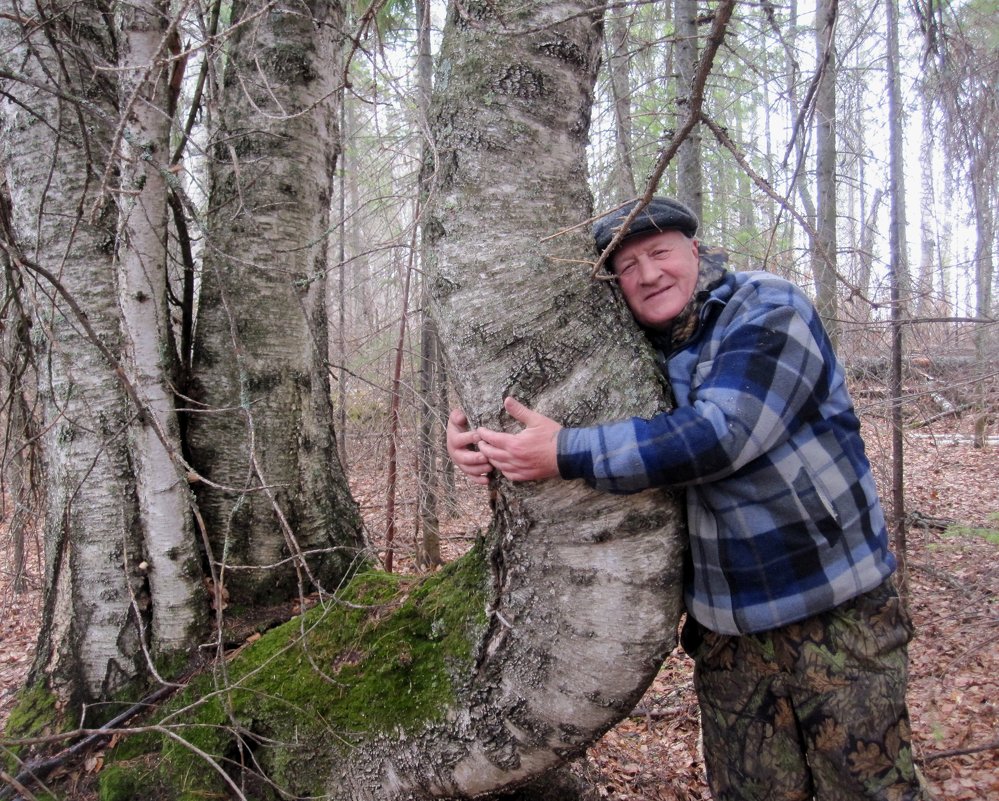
648,272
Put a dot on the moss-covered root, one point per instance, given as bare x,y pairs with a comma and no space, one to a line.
34,715
385,657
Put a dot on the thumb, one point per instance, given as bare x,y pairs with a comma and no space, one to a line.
519,412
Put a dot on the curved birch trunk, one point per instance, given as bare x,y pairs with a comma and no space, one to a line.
585,586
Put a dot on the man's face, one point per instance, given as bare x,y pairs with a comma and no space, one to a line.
657,273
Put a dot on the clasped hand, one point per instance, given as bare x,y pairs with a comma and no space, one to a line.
529,455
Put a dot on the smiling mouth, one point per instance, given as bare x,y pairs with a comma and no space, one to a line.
658,292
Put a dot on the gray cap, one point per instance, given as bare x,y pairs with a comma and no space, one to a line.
662,214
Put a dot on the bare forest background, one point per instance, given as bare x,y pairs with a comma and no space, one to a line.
223,389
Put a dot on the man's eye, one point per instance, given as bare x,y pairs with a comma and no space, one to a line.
660,254
624,270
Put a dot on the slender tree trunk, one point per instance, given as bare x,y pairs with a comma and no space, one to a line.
824,248
868,238
927,235
443,403
745,202
359,266
619,70
263,436
341,294
173,565
428,552
985,241
795,103
898,269
983,197
690,178
395,400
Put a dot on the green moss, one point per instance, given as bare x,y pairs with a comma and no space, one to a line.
120,784
172,663
34,715
385,658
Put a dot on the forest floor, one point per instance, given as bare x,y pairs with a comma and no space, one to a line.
952,497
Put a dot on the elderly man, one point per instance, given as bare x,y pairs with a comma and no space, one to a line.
795,628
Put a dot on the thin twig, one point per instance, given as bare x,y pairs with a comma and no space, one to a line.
971,749
695,103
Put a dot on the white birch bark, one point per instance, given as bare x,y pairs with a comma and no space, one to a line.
63,242
265,430
586,585
178,604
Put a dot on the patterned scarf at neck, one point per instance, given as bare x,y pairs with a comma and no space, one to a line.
710,272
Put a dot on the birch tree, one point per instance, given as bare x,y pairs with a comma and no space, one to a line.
61,240
170,548
520,316
89,166
517,657
260,430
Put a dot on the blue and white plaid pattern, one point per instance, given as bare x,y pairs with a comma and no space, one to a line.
783,511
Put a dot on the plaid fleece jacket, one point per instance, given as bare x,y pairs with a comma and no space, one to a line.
783,512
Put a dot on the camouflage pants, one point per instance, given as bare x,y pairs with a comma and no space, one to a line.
815,709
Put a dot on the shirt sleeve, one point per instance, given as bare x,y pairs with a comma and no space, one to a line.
769,375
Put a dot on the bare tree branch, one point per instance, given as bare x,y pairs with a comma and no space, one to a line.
695,102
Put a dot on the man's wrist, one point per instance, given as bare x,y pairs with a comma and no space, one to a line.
573,454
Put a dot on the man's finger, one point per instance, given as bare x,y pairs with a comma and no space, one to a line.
462,439
472,463
518,411
491,452
470,457
497,439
